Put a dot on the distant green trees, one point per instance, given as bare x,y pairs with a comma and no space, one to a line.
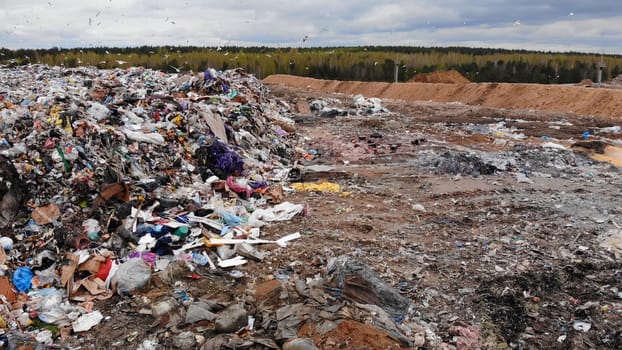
368,63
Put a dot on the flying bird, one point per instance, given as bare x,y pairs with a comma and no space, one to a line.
306,37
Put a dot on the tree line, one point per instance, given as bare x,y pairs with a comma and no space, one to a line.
365,63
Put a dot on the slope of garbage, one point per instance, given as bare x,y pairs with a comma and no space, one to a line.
110,175
143,210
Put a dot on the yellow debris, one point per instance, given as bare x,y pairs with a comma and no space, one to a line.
319,187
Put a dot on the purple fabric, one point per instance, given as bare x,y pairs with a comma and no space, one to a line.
225,160
255,185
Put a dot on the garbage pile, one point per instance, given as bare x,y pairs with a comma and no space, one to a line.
107,176
361,105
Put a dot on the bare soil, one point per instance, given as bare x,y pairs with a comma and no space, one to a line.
445,77
584,101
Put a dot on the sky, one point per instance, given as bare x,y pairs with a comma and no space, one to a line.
563,25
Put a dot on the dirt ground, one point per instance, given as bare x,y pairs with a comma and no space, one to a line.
579,100
480,224
445,77
521,261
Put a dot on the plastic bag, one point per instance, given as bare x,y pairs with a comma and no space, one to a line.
281,212
99,111
131,276
22,278
153,137
87,321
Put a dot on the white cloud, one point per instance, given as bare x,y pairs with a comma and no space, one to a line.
594,26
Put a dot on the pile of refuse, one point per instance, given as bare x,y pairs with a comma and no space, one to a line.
107,176
361,105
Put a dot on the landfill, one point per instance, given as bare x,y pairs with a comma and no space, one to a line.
146,210
111,176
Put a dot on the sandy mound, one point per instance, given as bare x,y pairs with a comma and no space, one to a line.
559,98
444,77
585,82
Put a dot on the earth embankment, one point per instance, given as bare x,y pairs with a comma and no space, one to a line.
579,100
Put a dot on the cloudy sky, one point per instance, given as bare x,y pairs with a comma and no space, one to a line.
561,25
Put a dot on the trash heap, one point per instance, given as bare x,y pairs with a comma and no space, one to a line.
361,105
109,175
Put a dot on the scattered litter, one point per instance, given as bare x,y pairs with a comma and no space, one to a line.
554,146
581,326
87,321
522,178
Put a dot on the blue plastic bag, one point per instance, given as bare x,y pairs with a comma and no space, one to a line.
22,278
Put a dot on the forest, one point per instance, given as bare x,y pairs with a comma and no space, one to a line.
365,63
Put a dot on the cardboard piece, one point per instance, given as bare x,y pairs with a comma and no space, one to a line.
89,289
6,289
276,194
119,191
215,124
46,214
3,257
93,264
67,271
